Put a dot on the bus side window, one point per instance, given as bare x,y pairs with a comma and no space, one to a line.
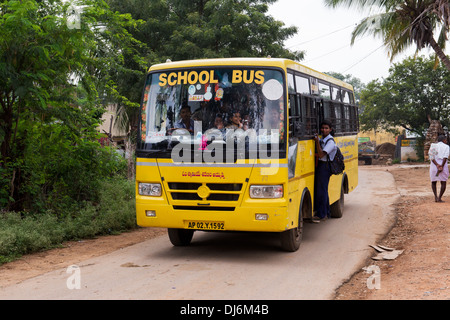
347,118
354,119
296,125
346,96
292,115
328,110
309,111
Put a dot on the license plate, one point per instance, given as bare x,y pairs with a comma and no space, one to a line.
205,225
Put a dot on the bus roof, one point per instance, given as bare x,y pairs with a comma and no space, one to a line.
267,62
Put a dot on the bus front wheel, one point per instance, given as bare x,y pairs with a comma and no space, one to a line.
291,239
180,237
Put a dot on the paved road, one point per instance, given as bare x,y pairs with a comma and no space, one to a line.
233,266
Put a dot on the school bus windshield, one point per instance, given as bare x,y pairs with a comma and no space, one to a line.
214,109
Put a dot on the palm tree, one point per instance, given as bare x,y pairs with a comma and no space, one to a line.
404,23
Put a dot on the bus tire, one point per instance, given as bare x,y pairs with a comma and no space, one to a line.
180,237
292,238
337,208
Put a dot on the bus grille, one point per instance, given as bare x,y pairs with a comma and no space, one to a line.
197,208
182,191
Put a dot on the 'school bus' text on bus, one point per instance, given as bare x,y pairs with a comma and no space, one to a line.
227,145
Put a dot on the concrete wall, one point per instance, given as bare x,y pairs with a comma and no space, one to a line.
108,119
378,137
408,152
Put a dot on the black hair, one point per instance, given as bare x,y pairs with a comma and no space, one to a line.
185,106
441,138
231,114
330,124
326,122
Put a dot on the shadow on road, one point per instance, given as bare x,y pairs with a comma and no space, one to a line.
235,246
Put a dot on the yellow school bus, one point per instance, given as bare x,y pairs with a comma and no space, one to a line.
227,145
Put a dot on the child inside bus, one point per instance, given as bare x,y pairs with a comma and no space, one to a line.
185,121
218,123
234,120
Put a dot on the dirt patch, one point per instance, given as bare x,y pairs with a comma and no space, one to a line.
387,149
422,271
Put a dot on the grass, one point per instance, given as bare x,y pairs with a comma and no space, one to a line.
24,233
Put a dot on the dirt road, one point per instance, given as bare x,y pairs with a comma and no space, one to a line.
219,266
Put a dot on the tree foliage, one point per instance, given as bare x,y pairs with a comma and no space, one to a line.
54,78
357,84
413,93
403,23
180,30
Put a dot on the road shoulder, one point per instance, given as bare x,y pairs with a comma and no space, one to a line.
422,271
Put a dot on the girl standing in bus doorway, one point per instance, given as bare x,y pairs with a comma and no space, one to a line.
325,147
439,153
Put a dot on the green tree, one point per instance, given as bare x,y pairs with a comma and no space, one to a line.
54,78
413,93
405,22
227,28
357,84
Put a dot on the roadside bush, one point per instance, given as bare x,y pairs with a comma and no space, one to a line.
70,188
24,233
3,186
62,171
21,235
117,197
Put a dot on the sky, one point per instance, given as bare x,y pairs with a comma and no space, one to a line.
325,34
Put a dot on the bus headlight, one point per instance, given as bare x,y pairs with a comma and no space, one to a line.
266,192
150,189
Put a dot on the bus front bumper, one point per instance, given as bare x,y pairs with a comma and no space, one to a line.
257,219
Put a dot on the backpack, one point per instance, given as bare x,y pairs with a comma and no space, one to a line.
337,166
